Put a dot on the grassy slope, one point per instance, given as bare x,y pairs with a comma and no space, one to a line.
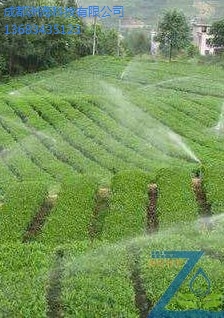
67,133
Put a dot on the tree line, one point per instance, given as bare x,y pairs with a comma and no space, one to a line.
23,53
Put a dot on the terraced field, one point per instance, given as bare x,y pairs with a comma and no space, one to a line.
99,164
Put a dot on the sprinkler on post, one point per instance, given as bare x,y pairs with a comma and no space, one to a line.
198,173
200,170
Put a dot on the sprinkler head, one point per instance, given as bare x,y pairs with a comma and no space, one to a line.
201,170
197,172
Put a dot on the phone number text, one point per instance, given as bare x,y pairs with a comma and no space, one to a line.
42,29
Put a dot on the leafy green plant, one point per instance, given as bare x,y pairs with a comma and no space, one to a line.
127,212
186,301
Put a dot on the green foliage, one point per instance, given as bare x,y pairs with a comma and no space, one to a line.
76,202
18,210
108,42
217,30
213,182
215,60
97,284
127,212
173,32
137,42
2,65
192,51
24,277
30,53
186,301
176,202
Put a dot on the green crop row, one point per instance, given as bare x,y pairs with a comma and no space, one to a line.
10,119
127,212
153,128
47,161
18,155
40,154
150,134
25,167
21,203
97,284
88,144
92,130
208,103
6,139
183,125
98,108
7,176
159,108
208,89
70,219
206,137
213,178
176,201
76,137
54,142
24,277
204,116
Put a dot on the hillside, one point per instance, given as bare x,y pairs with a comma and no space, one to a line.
99,164
150,11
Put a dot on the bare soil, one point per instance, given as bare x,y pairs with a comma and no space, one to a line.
204,205
142,302
39,219
152,220
55,307
101,205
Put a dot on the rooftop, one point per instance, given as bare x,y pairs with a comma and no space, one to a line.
201,24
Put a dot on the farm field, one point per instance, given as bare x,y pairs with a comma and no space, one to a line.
102,162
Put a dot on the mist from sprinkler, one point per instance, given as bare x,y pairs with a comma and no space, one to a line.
11,151
31,130
180,143
140,122
105,257
219,128
129,68
158,133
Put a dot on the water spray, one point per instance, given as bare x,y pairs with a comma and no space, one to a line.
122,75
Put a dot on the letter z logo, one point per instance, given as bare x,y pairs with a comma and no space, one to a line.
159,310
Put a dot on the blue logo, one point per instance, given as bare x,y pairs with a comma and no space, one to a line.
159,311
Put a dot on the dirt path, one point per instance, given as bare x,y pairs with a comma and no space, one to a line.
142,302
152,220
55,308
204,205
101,206
38,221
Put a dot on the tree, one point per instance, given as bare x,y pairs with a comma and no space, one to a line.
32,52
137,42
173,32
217,30
192,50
106,40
